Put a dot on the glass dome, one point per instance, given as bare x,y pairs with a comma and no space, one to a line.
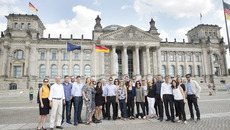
112,28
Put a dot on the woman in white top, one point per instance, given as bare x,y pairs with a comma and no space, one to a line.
179,100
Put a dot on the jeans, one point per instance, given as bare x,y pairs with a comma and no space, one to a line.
146,106
31,97
192,100
67,107
123,108
78,101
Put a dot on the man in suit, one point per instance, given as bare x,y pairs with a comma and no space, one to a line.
193,93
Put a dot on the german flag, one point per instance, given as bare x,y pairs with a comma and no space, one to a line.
101,49
227,10
32,7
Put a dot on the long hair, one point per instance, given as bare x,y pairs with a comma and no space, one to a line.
129,82
149,86
123,86
87,79
99,89
177,82
154,82
115,81
172,84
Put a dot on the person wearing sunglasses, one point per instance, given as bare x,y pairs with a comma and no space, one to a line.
44,92
140,99
193,93
146,104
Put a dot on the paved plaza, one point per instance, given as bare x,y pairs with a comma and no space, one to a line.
17,113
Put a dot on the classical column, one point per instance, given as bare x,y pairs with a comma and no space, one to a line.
177,65
225,63
155,63
159,60
27,59
167,66
124,61
113,61
185,63
211,62
70,63
5,49
48,67
82,68
137,69
194,71
102,58
148,63
59,67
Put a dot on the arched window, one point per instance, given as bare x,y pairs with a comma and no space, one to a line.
190,70
76,70
42,71
171,57
172,70
181,71
163,70
215,57
53,71
13,86
65,70
29,25
15,25
19,54
198,70
87,71
162,57
180,58
22,25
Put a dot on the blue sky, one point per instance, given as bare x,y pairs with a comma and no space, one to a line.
173,17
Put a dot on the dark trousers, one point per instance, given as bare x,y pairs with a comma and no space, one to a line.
66,107
176,109
138,108
78,101
103,108
146,106
130,104
71,104
31,97
116,113
179,104
111,100
159,106
155,106
123,108
192,100
168,100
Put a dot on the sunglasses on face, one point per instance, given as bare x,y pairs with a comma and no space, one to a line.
110,80
172,77
46,81
187,77
116,81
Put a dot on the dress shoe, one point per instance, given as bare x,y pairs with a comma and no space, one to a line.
69,122
167,120
109,118
80,122
161,119
51,128
75,124
173,121
59,127
191,119
198,120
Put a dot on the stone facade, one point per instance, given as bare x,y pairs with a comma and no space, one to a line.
27,58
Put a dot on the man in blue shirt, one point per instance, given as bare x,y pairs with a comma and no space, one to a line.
110,98
78,100
67,90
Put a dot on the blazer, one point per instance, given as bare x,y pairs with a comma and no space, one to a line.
195,88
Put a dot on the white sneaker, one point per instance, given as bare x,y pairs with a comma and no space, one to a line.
139,117
144,117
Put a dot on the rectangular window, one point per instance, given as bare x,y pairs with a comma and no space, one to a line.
76,56
197,58
17,71
53,56
65,56
189,58
42,56
87,56
162,57
22,25
171,58
180,58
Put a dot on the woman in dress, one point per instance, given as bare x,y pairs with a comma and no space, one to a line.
99,101
130,102
122,97
179,100
44,93
87,94
93,104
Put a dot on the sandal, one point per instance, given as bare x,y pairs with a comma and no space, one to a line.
185,122
38,129
87,123
43,128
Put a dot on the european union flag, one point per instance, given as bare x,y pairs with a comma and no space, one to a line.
71,47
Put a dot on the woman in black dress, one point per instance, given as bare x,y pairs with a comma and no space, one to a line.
99,101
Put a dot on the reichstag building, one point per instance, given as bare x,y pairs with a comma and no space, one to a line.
26,57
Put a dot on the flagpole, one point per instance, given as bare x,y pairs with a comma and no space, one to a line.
95,62
226,28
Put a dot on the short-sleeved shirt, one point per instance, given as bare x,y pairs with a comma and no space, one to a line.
139,94
145,89
183,87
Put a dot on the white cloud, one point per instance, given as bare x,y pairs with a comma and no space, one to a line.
178,8
8,1
126,7
181,33
163,35
82,23
2,26
96,2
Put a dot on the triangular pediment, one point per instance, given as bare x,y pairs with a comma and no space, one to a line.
130,33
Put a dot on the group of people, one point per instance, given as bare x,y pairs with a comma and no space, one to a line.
211,89
98,97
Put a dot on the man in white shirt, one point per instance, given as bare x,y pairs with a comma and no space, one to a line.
57,99
104,87
167,98
78,100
